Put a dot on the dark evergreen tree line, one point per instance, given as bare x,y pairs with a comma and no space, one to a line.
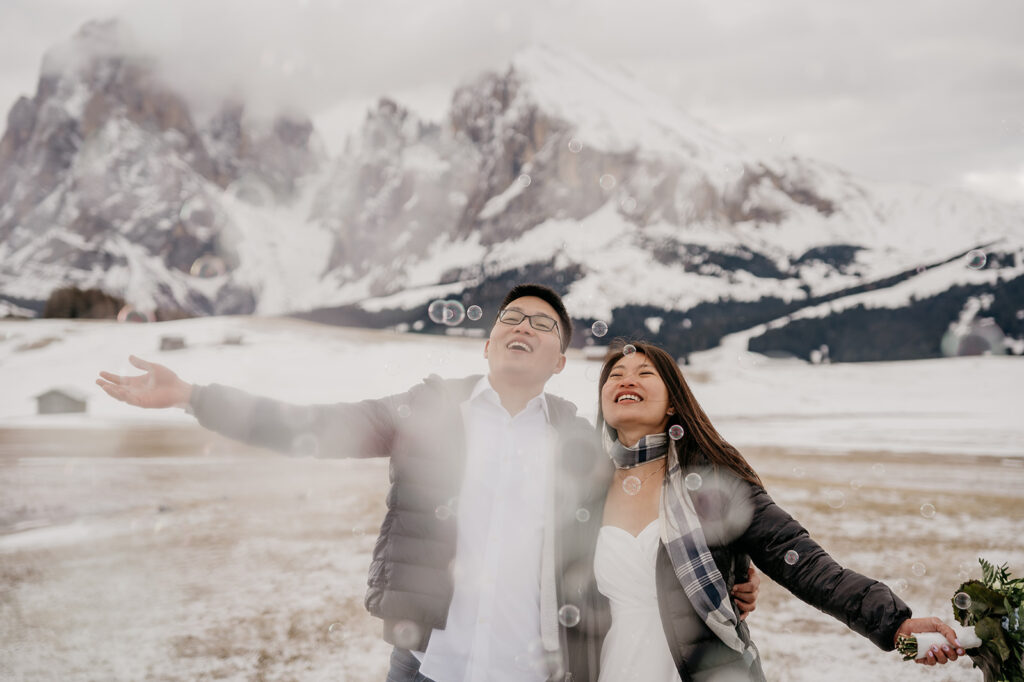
862,334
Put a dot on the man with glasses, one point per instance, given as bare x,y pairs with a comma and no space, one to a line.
484,565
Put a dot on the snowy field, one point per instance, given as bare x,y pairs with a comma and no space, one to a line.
134,545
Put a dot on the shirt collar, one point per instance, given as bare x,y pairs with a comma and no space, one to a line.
484,391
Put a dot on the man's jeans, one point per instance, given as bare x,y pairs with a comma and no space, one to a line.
405,667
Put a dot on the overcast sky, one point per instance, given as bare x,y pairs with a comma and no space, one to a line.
927,91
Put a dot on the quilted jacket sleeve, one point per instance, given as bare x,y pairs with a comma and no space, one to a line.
866,606
360,429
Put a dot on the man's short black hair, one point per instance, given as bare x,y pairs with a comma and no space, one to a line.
549,296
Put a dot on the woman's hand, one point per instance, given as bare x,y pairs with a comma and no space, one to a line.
745,594
158,387
945,653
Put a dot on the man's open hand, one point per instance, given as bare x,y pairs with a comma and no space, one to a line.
158,387
745,594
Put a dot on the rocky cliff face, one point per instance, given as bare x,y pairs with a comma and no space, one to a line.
503,163
554,168
106,178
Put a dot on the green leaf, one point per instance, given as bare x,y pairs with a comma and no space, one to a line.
991,635
988,571
984,601
988,665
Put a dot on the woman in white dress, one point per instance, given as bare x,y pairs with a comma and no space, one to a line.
683,516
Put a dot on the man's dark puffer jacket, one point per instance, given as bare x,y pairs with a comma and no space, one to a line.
421,431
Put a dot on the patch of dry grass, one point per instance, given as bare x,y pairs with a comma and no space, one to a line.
244,565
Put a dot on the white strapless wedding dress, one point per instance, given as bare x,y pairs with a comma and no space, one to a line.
635,647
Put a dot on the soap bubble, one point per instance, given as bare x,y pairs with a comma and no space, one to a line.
569,616
454,313
878,469
918,569
358,531
721,520
575,146
403,411
631,485
406,634
978,337
628,349
928,510
130,314
687,323
749,360
835,498
628,204
856,484
735,172
524,180
900,586
799,472
474,312
207,267
607,182
435,311
976,259
582,515
676,432
305,445
336,631
533,660
962,600
599,328
196,206
693,481
791,557
443,512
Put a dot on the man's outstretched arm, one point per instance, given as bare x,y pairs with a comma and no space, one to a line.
362,429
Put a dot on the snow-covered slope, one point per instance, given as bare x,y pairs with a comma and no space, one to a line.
558,169
956,406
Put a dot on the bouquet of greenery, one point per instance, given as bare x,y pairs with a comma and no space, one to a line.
992,613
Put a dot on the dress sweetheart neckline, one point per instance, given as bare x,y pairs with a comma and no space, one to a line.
635,537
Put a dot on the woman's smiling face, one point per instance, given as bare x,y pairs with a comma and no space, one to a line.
634,399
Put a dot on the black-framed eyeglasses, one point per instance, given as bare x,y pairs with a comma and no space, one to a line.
540,321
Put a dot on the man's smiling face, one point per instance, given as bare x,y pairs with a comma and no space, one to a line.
520,353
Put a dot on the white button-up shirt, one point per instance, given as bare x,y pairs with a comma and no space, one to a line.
493,630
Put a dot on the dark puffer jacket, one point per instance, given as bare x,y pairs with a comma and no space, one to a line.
741,522
410,580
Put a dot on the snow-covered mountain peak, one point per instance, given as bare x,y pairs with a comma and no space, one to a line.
611,111
95,40
108,180
555,169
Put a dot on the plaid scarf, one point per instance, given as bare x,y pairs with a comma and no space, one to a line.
650,448
683,537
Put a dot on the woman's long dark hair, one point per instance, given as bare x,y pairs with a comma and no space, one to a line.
701,443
